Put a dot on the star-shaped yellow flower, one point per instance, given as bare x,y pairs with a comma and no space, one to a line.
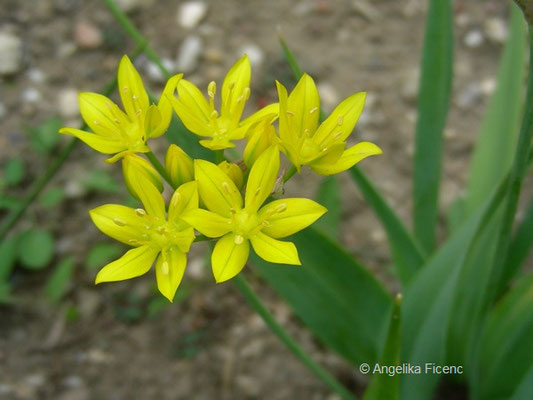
151,232
323,148
119,133
237,226
201,118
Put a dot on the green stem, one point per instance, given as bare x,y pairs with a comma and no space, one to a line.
219,156
52,169
514,186
288,175
256,303
159,167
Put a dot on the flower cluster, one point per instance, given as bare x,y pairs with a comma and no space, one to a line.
229,201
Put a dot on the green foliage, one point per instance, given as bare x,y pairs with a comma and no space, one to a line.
58,283
35,248
14,172
52,197
101,254
329,196
44,137
101,181
8,256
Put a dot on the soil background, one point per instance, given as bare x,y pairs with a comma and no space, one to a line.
118,341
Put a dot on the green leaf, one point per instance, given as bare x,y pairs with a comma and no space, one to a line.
433,103
384,386
8,256
14,171
58,283
9,203
337,298
101,181
407,255
506,350
5,292
520,246
102,254
524,390
52,197
45,137
497,137
35,248
329,196
291,60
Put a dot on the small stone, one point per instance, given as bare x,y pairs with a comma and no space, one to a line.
409,89
129,6
191,13
10,53
87,35
31,95
80,393
469,95
74,189
36,76
255,54
155,74
462,20
66,49
72,381
213,55
67,103
189,54
474,38
496,30
248,385
3,111
365,10
487,86
328,95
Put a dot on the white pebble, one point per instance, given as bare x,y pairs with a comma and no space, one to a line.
474,38
255,54
155,74
189,54
31,95
36,75
88,35
496,30
328,95
67,103
10,53
191,13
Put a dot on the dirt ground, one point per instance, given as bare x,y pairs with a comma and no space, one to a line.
109,342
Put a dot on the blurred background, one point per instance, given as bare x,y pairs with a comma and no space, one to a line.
63,338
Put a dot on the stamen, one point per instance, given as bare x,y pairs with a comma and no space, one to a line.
246,93
140,212
313,110
161,229
211,89
119,221
175,199
258,190
231,86
96,122
266,224
125,89
340,120
165,268
133,241
337,135
239,239
226,188
280,208
290,113
232,210
214,114
138,112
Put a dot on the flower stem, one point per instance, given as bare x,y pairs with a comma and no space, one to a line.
159,167
244,287
288,175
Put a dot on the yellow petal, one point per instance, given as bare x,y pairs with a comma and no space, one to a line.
102,115
287,216
236,89
191,106
286,135
262,136
131,89
348,159
216,189
133,166
339,125
149,195
165,105
184,199
328,155
119,222
268,113
194,122
207,223
233,171
304,103
217,144
262,179
152,123
178,165
135,262
169,271
229,258
275,251
102,144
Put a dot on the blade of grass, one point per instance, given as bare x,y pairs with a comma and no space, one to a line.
433,103
497,137
520,246
329,196
53,168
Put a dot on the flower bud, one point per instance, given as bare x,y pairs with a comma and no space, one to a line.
179,166
260,138
233,171
134,166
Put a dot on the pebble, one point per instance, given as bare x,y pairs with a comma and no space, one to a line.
469,95
88,35
255,54
154,73
213,55
72,381
189,54
81,393
366,10
36,76
129,6
409,89
31,95
191,13
487,86
10,53
474,38
67,103
496,30
328,95
248,385
74,189
3,111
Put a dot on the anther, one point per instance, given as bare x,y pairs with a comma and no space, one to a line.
125,89
212,89
214,114
280,208
161,229
138,112
290,113
313,110
176,199
134,97
140,212
266,223
232,210
238,239
116,121
165,268
337,135
96,122
340,120
226,188
119,221
133,241
231,86
257,191
246,93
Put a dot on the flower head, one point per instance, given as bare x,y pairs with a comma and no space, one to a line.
323,148
152,233
201,117
240,222
118,132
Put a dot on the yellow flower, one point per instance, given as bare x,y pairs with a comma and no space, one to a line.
261,136
238,225
179,166
133,166
201,118
119,133
323,148
234,172
151,232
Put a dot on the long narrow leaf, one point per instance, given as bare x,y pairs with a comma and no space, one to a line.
433,103
329,196
337,298
521,245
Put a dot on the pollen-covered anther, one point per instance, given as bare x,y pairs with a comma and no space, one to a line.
313,110
214,114
125,89
96,122
288,112
246,93
140,212
134,97
266,224
119,221
337,135
165,268
138,112
226,188
161,229
239,239
133,241
340,120
211,89
281,208
232,210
